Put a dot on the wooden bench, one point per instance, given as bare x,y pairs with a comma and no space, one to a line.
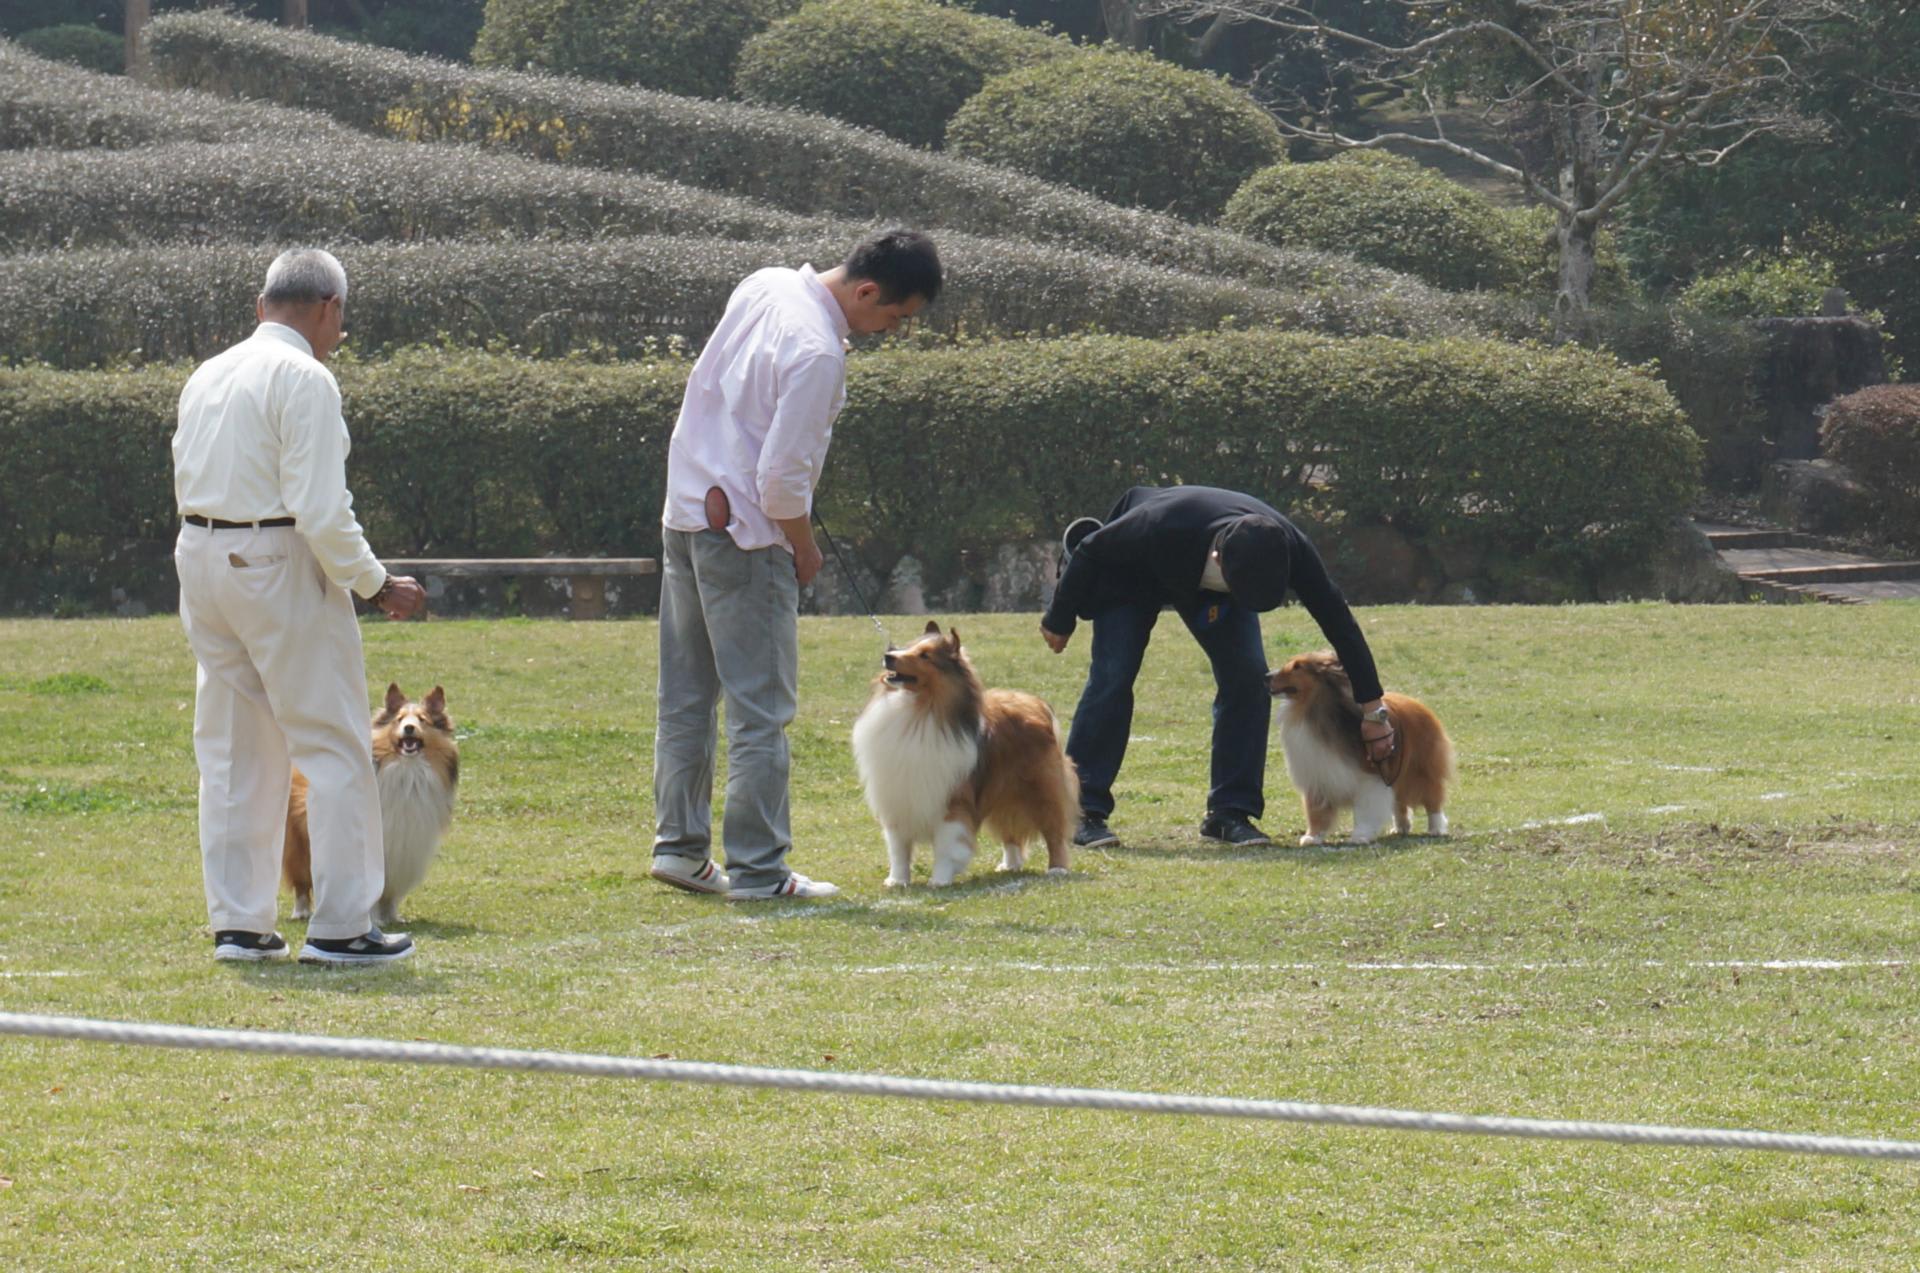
586,576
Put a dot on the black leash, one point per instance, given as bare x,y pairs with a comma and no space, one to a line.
851,578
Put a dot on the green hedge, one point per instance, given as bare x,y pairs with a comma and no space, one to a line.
109,306
79,45
675,46
803,163
1876,433
902,67
1125,126
1560,454
352,188
1388,210
1765,287
45,103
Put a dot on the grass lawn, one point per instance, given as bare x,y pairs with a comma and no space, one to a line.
1653,801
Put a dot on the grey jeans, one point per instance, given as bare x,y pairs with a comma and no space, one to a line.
728,625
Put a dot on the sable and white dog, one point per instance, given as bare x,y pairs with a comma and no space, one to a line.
417,766
1327,761
940,757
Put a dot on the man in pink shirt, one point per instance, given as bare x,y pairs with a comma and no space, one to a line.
737,547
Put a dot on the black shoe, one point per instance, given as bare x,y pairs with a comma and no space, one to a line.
1078,529
1234,829
238,944
1093,834
370,947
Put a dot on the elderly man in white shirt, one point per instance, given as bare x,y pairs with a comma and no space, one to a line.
738,546
268,551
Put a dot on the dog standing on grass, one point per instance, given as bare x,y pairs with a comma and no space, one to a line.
941,756
1320,733
417,766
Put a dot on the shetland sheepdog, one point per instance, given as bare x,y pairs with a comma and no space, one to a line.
940,757
1320,733
417,766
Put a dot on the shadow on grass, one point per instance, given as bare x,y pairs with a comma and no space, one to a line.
401,980
1319,855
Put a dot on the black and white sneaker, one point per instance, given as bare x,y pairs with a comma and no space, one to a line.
239,945
1234,829
1093,834
1078,529
370,947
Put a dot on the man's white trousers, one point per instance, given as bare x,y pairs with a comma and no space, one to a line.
282,682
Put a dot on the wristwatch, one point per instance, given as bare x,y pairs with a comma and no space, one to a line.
1377,715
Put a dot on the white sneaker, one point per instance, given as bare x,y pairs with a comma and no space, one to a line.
695,877
795,885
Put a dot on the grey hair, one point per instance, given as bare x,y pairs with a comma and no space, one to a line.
304,275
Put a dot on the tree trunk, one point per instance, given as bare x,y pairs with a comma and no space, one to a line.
137,12
1570,296
1124,24
294,14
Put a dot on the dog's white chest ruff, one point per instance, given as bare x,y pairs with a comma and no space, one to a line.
910,763
416,807
1318,771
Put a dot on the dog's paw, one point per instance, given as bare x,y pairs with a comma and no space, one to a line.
1310,840
1057,872
894,881
1362,837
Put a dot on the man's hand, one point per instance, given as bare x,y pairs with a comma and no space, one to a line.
401,597
1055,641
1377,737
806,560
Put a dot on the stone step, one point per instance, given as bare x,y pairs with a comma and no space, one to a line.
1748,539
1856,570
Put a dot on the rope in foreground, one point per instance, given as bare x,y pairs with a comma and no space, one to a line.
667,1071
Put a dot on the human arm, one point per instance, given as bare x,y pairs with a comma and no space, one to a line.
1324,601
796,451
313,480
806,553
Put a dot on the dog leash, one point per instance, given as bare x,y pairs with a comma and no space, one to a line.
851,579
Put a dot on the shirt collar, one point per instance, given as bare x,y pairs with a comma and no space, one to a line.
286,335
826,299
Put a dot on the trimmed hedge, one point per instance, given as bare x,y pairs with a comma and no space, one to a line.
675,46
45,103
799,162
1876,433
618,297
351,188
1765,287
1125,126
1388,210
902,67
79,45
1558,453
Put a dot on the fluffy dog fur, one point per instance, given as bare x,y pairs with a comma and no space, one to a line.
417,766
940,757
1320,733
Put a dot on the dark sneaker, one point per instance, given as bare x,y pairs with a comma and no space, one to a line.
238,944
1232,828
370,947
1093,834
1078,529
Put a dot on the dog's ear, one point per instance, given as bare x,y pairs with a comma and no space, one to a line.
436,702
953,639
395,699
932,628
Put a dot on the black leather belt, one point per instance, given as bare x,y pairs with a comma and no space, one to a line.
214,523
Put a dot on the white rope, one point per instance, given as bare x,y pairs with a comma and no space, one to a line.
265,1042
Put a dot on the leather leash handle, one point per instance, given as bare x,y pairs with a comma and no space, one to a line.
719,510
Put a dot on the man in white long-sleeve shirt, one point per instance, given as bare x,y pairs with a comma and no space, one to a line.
268,550
738,546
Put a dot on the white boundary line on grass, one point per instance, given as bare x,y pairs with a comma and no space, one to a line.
1205,966
672,1071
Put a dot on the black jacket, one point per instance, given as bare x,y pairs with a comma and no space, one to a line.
1153,550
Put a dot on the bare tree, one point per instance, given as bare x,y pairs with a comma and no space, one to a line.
1622,89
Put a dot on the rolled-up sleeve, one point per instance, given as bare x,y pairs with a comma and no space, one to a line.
796,446
313,481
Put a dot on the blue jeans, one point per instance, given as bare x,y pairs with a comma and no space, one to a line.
1242,709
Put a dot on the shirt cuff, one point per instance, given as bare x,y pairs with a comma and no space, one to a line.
369,582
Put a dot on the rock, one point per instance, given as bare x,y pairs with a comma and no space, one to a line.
1821,497
1682,567
1021,576
1387,567
906,588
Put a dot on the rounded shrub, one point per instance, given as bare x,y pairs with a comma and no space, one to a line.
1390,211
1128,127
1764,287
1876,433
902,67
80,45
676,46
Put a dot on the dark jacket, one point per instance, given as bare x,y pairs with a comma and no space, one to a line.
1153,550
